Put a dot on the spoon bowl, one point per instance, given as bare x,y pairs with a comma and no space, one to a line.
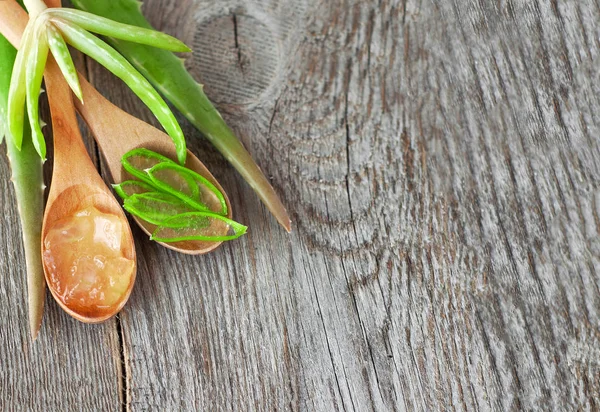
69,202
76,188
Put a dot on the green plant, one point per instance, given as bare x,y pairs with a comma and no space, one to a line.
27,178
47,31
168,74
181,203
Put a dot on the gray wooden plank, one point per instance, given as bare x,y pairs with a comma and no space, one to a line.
441,163
71,366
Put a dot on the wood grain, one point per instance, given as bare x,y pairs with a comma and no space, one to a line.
71,366
441,163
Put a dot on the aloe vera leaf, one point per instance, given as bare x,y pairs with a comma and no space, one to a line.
198,226
34,74
208,198
155,207
129,188
167,73
17,92
107,27
27,179
61,54
120,67
137,161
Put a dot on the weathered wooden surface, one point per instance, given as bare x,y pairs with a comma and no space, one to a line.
440,160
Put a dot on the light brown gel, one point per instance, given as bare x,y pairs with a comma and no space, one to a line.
84,256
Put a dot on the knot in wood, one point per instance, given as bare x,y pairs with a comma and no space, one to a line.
236,56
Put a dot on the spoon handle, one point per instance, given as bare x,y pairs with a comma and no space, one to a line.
71,159
12,21
116,131
64,122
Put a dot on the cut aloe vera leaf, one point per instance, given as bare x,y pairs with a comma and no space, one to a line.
167,176
199,226
129,188
155,207
207,197
138,161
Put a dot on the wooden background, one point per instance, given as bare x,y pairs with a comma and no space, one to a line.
441,164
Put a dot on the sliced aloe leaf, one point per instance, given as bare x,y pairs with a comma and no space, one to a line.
199,226
138,161
203,195
129,188
172,181
155,207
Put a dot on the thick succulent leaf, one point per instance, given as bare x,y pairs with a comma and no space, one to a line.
34,74
120,67
127,32
61,54
27,178
17,92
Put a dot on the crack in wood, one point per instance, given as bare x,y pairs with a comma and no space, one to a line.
237,42
124,390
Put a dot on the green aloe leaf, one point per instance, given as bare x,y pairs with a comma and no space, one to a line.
107,27
168,74
120,67
155,207
199,226
61,54
27,178
34,74
17,91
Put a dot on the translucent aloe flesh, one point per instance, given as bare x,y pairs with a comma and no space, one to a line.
27,178
167,73
181,203
198,226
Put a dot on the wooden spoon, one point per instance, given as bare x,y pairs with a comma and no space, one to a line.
115,131
77,186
